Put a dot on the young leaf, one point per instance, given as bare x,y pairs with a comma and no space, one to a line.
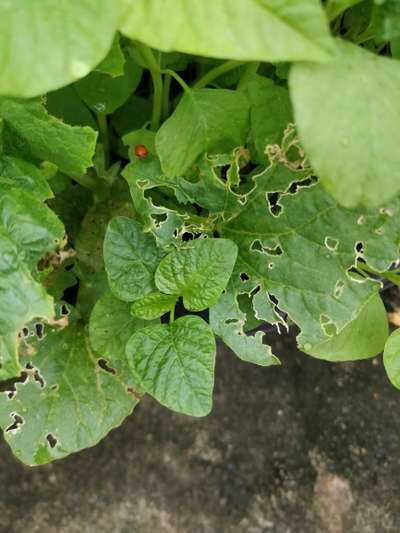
111,326
267,30
228,321
104,93
348,117
175,364
71,404
362,338
45,138
46,46
391,358
270,113
199,272
131,258
205,120
153,306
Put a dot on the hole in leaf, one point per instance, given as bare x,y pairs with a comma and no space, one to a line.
39,329
64,310
134,393
244,276
328,326
380,231
385,211
331,243
104,366
338,288
231,321
51,440
273,203
18,421
361,220
33,371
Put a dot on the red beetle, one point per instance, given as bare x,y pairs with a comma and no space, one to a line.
141,151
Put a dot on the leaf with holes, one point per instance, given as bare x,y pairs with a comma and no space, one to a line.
175,364
68,381
199,272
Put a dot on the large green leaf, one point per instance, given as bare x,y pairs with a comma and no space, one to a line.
32,131
302,253
26,176
348,117
104,93
199,272
175,364
205,120
70,404
111,326
131,258
47,44
9,363
391,358
270,113
264,30
228,321
362,338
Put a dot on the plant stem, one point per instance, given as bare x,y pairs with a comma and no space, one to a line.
103,127
216,72
172,314
248,72
167,88
156,77
176,77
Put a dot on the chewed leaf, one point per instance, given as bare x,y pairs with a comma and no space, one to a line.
271,30
70,403
131,258
46,47
362,338
175,364
153,305
228,321
199,272
110,327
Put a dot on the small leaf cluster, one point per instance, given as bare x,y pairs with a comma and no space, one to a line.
175,173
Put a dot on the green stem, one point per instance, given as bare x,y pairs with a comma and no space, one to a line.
172,314
216,72
173,74
248,72
167,88
103,127
156,77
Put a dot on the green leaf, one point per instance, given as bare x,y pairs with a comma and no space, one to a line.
142,136
9,363
104,93
205,120
46,46
266,30
336,7
131,258
26,176
270,113
302,253
175,364
391,358
228,321
113,63
386,19
32,226
70,405
199,272
67,105
348,117
45,138
362,338
21,298
153,306
111,326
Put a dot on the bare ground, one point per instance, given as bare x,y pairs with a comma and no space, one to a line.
306,447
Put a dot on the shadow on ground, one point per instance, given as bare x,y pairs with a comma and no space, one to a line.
306,447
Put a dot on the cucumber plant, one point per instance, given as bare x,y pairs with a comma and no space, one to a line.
173,172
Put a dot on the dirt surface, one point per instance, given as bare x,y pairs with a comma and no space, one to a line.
306,447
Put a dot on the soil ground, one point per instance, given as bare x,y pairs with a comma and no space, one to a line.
305,447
